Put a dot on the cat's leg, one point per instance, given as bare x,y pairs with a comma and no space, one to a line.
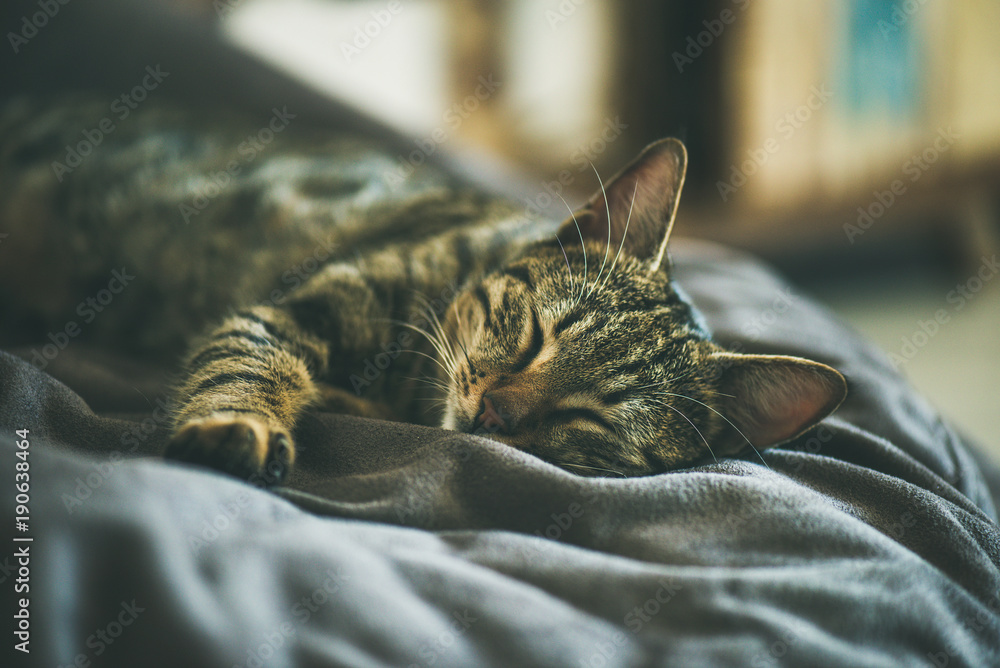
245,386
241,392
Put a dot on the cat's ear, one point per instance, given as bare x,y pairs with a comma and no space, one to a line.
637,206
773,398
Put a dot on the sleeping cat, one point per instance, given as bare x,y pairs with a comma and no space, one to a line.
576,347
421,302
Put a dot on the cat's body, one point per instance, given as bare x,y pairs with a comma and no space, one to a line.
205,215
350,290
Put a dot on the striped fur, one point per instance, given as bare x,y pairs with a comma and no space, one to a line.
598,368
418,303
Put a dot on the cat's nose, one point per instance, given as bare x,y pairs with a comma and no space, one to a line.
490,416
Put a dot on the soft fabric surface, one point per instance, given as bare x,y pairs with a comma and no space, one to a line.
871,541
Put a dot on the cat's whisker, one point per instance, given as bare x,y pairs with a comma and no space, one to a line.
143,396
430,312
607,248
465,349
443,337
460,332
572,279
693,426
759,456
423,332
437,402
438,346
712,392
672,379
720,394
434,322
624,234
459,336
430,357
434,382
595,468
583,245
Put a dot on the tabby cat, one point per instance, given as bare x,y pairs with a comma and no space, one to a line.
568,341
576,348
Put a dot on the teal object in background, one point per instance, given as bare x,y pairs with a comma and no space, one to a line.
882,59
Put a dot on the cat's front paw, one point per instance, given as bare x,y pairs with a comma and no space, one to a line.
245,447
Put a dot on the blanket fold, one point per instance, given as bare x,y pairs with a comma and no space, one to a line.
870,541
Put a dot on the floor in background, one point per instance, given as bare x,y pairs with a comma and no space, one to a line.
955,363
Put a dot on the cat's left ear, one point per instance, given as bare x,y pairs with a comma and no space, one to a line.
635,210
771,399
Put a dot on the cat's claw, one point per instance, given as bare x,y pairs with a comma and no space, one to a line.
244,447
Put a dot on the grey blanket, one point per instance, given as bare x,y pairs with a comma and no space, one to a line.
871,541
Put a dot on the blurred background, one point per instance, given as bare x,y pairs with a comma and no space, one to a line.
855,144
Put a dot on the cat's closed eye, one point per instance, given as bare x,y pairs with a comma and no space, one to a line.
536,340
570,415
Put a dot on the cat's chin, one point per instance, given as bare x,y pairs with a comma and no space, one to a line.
450,420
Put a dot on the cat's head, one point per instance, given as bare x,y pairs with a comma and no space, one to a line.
584,353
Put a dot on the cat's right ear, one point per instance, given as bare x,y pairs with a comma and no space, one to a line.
770,399
635,210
